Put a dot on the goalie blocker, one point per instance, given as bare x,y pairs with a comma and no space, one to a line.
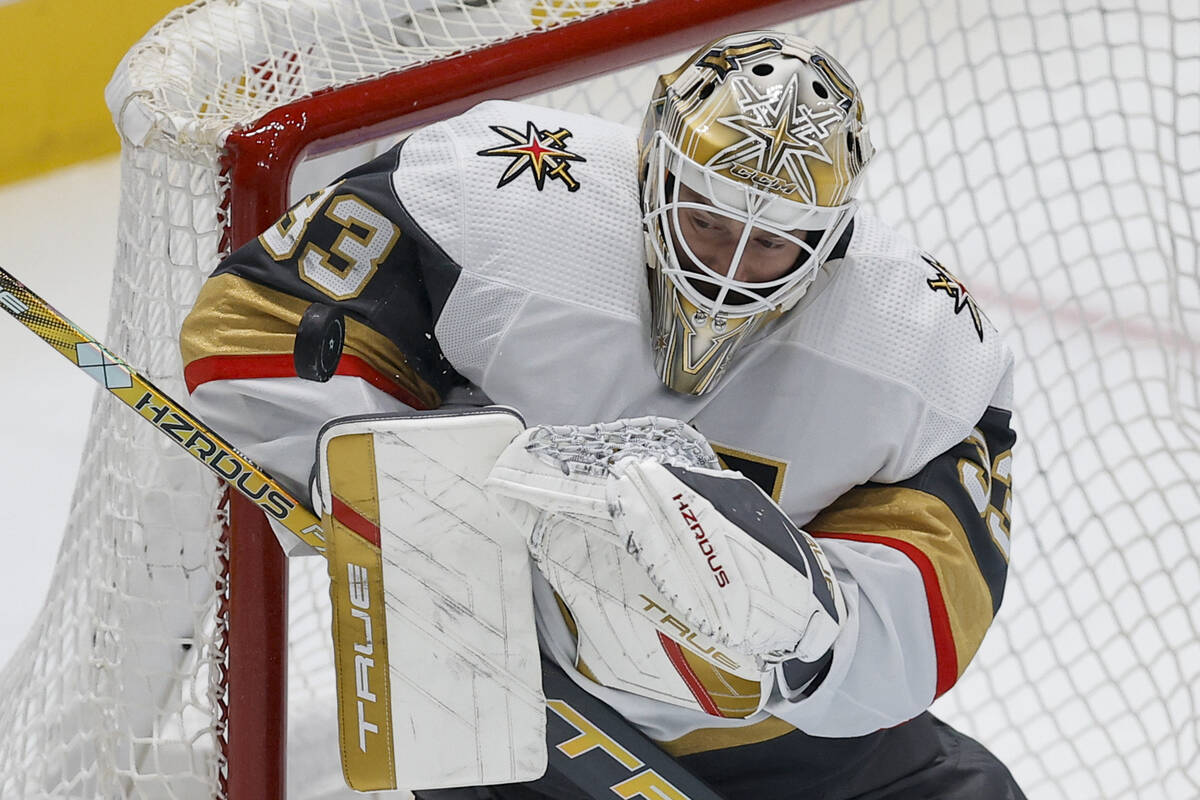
439,684
440,681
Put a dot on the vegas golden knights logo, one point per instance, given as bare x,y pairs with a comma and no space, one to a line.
542,152
946,282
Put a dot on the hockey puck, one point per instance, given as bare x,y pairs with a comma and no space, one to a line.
319,341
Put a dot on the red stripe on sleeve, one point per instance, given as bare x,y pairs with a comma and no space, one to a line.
939,618
355,521
215,368
675,653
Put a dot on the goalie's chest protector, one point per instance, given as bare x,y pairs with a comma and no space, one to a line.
874,374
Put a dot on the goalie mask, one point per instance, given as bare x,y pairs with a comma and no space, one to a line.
750,156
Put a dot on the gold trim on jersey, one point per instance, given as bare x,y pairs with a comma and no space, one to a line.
922,521
573,628
706,739
234,316
568,617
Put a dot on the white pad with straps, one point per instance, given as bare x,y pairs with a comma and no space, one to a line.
461,697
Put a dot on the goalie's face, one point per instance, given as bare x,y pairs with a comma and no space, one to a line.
724,262
722,252
750,157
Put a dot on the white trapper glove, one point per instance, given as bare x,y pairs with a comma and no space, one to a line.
725,555
564,469
728,559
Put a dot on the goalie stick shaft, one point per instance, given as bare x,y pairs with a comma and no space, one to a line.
156,407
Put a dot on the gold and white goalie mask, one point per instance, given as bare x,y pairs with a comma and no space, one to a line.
750,156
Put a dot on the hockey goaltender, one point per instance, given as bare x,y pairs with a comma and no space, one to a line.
764,486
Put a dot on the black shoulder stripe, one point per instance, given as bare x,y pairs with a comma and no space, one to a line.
843,242
383,164
402,298
439,271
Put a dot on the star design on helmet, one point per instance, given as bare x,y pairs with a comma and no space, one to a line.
780,136
952,286
542,152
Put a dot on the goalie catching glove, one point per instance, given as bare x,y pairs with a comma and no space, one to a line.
727,558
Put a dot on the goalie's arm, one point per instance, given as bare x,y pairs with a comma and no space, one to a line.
923,564
350,247
859,621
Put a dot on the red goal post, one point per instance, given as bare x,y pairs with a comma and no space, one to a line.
616,34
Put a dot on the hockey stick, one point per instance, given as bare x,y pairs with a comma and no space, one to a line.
157,408
597,750
135,391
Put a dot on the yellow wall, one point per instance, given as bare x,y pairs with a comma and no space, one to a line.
56,57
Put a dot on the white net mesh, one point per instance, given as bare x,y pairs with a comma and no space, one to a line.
594,449
114,691
1048,152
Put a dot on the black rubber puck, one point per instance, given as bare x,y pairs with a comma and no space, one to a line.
319,341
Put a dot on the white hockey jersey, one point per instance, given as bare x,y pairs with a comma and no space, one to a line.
498,257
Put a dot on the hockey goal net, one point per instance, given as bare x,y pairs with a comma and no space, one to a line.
1048,151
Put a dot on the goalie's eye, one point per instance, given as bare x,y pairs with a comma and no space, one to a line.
706,221
769,242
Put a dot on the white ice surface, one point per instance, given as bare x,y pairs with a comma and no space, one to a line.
58,237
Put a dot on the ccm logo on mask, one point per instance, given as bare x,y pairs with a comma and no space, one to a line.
706,547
